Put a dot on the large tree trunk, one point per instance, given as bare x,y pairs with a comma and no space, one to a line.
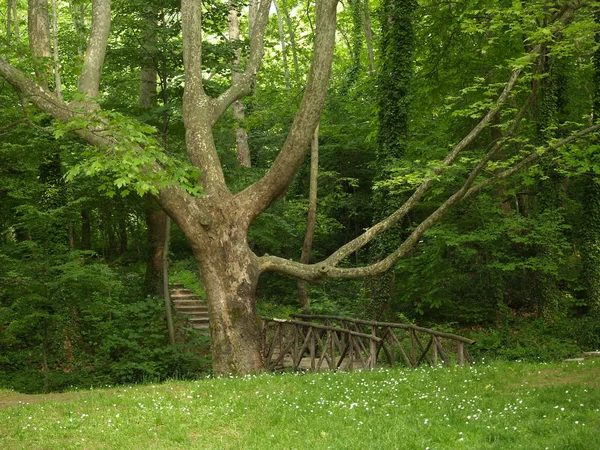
229,272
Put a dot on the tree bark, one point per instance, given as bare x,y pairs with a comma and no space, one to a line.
229,273
57,80
311,220
286,69
241,137
292,34
89,80
165,273
369,37
38,27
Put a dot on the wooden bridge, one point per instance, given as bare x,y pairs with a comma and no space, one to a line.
309,342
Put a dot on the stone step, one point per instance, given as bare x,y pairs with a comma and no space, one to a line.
192,309
179,289
199,320
185,296
188,302
191,305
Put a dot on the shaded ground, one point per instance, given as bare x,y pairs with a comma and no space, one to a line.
12,398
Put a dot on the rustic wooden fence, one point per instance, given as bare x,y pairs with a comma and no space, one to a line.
303,345
358,343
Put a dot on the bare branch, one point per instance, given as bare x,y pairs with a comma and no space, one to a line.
35,93
320,271
5,128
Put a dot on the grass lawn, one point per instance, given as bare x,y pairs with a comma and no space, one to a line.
495,406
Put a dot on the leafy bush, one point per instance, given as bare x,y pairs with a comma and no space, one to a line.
67,320
527,338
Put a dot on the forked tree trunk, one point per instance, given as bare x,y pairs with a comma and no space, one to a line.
229,272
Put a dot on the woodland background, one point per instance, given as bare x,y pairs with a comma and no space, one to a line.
517,267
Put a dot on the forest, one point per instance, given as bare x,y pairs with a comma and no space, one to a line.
427,162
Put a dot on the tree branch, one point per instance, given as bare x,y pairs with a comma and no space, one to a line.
89,80
198,108
534,156
320,271
5,128
416,197
257,197
35,93
242,84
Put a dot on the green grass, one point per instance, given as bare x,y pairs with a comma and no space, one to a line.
496,406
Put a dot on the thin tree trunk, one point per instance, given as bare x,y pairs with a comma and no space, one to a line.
155,218
166,293
45,365
78,17
122,239
57,81
8,24
71,237
86,234
155,225
38,27
286,70
15,17
369,38
112,243
292,34
241,137
311,220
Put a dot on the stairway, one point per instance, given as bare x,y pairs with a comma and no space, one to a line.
191,305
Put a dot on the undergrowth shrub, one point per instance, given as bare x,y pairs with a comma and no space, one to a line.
527,338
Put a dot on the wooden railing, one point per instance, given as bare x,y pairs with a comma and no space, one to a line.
405,343
303,345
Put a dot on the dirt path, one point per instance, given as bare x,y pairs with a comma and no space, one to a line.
11,398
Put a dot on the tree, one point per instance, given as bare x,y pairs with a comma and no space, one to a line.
215,220
395,75
591,233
